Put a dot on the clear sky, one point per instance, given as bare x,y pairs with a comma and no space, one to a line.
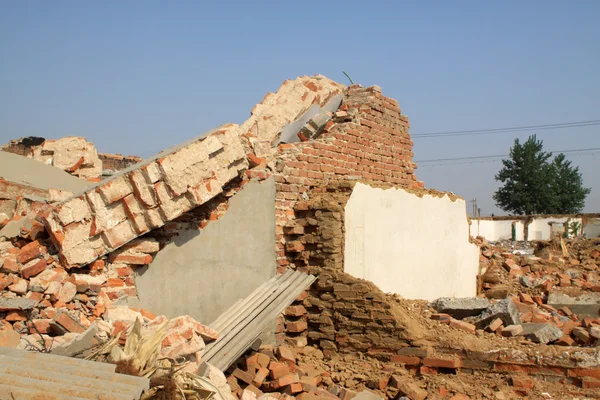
135,77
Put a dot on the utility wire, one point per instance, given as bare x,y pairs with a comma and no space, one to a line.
563,125
449,161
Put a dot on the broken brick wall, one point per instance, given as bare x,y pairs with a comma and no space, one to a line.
367,139
341,313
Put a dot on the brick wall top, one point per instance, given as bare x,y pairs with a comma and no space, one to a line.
367,139
278,109
145,196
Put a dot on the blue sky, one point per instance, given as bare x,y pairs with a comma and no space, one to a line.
138,76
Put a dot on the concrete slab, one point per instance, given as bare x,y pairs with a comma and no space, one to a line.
29,172
460,307
586,304
203,273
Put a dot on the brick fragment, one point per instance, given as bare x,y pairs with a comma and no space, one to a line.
441,362
243,376
33,268
29,252
66,321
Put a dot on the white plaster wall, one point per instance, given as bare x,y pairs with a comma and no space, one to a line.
414,246
592,228
498,230
540,229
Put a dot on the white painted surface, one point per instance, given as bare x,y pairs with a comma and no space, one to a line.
497,230
414,246
543,228
592,228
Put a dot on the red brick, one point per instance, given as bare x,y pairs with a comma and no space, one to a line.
522,382
590,383
463,326
243,376
297,326
69,323
288,380
13,316
585,373
41,326
441,362
260,376
278,370
406,360
141,259
10,266
32,270
29,252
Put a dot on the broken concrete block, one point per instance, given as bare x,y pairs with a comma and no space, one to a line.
586,304
82,343
17,303
460,307
541,333
505,309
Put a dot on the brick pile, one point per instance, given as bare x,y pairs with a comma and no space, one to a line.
529,280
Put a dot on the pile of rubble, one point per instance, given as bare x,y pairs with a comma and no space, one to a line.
549,297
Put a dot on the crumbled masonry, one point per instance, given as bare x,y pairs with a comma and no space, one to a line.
72,244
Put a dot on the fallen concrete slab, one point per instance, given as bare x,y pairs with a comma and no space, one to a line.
541,333
243,323
586,304
29,172
505,309
460,307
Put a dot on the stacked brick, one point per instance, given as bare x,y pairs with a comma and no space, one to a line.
343,314
366,139
276,371
133,202
40,297
117,162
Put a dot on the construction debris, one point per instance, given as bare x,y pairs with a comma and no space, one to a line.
69,257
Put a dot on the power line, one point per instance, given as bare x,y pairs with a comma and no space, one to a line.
564,125
494,158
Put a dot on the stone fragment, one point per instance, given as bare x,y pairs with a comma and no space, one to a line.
586,304
19,303
581,334
541,333
67,292
460,307
505,309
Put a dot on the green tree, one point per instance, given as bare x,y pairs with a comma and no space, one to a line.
534,184
527,179
568,187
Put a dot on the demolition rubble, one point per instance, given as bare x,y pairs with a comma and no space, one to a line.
78,228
